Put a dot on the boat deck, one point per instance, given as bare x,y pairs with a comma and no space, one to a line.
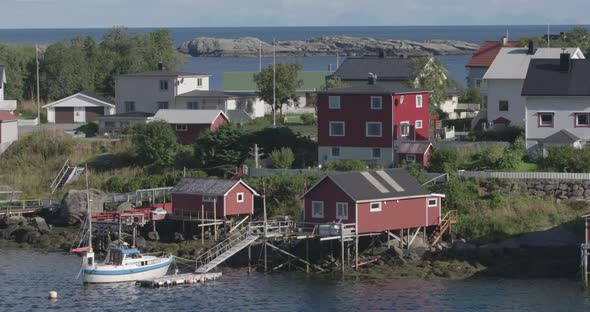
179,279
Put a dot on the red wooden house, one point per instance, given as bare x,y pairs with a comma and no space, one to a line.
216,198
587,227
362,122
189,124
375,201
414,152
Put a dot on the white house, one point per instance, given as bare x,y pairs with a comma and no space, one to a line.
9,105
220,100
150,91
557,94
79,108
503,81
8,129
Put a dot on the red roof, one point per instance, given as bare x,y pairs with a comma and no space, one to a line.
6,116
487,52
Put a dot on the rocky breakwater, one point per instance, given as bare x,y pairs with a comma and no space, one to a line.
323,46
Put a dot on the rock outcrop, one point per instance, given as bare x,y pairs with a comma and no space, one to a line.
75,205
323,46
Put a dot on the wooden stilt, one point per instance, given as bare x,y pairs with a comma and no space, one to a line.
250,258
265,256
202,224
307,255
342,247
215,218
356,252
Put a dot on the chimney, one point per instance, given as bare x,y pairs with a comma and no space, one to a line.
161,66
531,50
372,79
565,62
504,41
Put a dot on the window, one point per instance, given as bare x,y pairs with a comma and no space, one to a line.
335,151
410,158
376,102
341,210
336,128
583,120
181,127
373,129
376,153
163,85
418,124
240,197
109,124
503,106
546,119
418,101
317,209
162,105
375,207
199,82
404,128
334,102
193,105
208,199
432,202
129,106
477,83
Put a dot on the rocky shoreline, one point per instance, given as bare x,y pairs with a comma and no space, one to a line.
323,46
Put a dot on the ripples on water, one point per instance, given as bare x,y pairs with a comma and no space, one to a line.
28,276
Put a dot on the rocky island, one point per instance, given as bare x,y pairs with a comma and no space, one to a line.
323,46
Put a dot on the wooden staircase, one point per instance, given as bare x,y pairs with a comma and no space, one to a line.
450,218
224,250
65,175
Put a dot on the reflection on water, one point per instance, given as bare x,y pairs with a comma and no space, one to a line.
28,276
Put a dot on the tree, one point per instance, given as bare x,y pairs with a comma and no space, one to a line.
282,158
221,151
430,74
19,60
287,83
155,144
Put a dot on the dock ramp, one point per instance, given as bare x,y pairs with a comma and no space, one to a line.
224,250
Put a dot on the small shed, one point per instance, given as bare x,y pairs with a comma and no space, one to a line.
217,198
79,108
418,152
189,124
8,128
375,201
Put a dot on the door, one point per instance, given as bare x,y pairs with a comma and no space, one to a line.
93,112
64,114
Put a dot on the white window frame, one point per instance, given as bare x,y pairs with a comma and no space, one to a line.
332,151
334,102
377,208
181,127
418,122
373,153
343,128
208,199
401,129
435,202
419,101
410,158
380,102
576,115
372,135
313,214
541,114
343,216
240,197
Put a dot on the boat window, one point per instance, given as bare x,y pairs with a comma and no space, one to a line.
90,261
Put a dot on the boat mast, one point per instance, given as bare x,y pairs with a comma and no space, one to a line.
89,212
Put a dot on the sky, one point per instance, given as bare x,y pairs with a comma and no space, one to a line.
239,13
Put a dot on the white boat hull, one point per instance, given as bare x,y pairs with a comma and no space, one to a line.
96,275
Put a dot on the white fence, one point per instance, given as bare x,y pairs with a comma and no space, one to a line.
524,175
28,122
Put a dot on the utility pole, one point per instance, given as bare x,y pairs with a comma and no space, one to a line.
274,84
38,103
260,57
256,153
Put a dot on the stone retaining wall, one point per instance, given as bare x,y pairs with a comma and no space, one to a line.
562,189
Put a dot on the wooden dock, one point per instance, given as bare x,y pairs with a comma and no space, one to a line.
179,279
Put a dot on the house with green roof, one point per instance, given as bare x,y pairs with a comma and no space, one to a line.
244,82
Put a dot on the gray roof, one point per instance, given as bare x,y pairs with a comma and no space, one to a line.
188,116
128,115
209,187
413,147
371,89
384,68
238,115
379,184
546,78
162,73
98,97
216,94
562,137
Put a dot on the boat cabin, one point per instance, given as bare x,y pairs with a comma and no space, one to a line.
117,256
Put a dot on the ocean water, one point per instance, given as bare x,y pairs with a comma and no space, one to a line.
28,276
216,67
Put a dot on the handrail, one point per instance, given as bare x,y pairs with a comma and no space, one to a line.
451,217
208,255
59,174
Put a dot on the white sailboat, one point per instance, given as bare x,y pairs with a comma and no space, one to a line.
122,264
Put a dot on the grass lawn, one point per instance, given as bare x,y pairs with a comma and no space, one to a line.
26,115
525,167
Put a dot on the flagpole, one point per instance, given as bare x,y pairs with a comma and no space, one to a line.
38,103
274,87
260,57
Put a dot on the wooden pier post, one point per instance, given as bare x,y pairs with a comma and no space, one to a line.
203,224
265,259
215,218
342,246
250,258
356,251
307,255
585,261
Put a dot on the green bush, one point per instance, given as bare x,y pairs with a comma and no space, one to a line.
155,144
444,160
308,119
566,158
346,165
506,134
89,129
282,158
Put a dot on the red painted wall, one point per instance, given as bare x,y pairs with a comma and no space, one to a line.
187,204
422,159
218,122
195,131
355,111
588,230
407,213
328,192
407,111
232,207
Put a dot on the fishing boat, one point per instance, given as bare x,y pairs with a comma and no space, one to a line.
122,263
